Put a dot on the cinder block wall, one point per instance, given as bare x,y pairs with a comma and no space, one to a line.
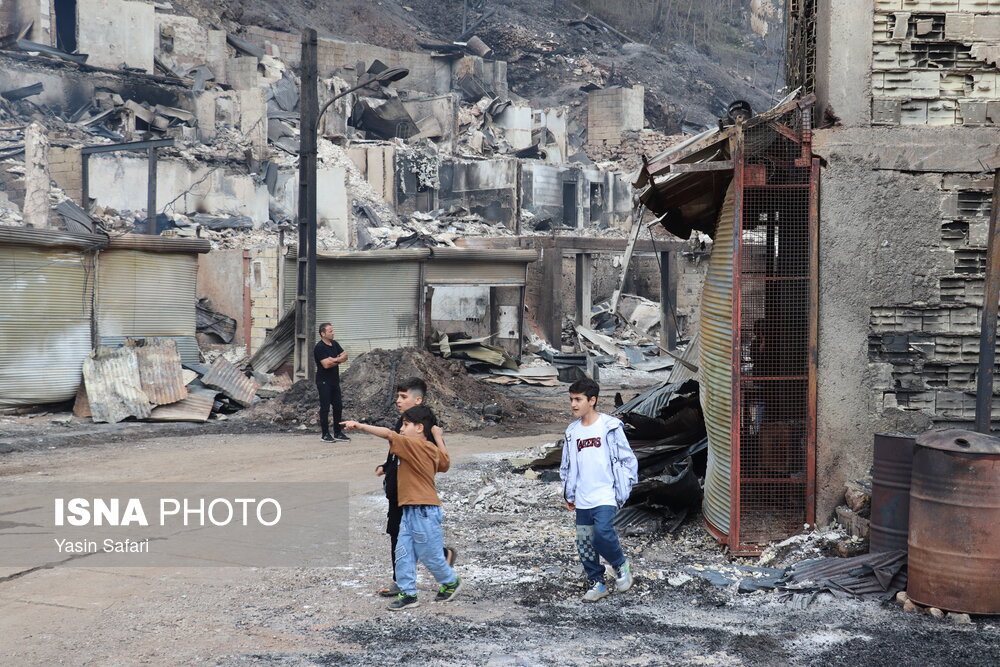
612,111
904,210
265,309
66,169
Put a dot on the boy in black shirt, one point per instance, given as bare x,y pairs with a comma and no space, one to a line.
329,355
410,392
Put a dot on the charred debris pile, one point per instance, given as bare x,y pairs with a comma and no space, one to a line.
460,401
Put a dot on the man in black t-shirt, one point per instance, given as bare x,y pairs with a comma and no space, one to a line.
329,355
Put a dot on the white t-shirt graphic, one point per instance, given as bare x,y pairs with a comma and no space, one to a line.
595,481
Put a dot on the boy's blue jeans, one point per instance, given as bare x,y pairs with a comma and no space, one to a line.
421,539
596,538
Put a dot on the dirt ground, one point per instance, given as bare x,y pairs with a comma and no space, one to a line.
519,607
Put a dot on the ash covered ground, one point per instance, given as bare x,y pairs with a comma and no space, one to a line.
523,581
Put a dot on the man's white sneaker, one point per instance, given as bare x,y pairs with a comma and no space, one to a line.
597,592
623,580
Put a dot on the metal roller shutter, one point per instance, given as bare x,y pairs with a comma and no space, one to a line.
716,340
467,272
142,294
370,304
44,323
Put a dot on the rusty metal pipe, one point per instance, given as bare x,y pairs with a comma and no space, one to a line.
988,334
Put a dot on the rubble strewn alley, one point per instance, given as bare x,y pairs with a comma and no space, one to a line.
243,248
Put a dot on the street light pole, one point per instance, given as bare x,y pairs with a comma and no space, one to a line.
310,115
305,285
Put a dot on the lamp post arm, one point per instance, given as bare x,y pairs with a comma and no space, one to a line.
337,97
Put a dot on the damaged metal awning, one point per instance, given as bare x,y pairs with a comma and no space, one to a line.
686,184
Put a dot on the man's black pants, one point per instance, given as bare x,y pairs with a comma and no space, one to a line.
329,396
394,517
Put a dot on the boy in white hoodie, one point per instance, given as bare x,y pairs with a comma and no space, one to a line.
598,470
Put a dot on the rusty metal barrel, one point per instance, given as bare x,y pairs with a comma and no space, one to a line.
955,522
893,463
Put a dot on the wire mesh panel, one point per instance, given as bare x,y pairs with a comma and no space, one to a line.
774,280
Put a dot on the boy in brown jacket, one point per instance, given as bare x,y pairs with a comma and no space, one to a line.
420,535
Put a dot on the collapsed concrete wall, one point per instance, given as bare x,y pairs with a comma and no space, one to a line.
183,43
613,111
574,196
118,181
115,33
427,74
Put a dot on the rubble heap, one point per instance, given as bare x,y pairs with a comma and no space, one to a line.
460,401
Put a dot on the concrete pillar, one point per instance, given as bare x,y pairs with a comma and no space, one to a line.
550,309
584,288
36,176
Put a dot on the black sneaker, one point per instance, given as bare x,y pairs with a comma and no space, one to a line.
447,592
450,556
340,436
404,601
326,437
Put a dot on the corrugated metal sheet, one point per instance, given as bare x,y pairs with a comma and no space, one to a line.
114,389
692,355
401,255
231,381
145,294
474,272
650,403
197,407
160,370
50,238
278,345
159,244
716,368
485,255
187,346
371,305
45,297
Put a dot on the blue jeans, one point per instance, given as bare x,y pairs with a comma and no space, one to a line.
596,538
421,539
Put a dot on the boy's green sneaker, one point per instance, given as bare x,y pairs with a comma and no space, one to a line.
404,601
447,592
596,592
623,578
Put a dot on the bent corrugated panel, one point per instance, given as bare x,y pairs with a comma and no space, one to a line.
114,389
716,368
160,370
231,381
